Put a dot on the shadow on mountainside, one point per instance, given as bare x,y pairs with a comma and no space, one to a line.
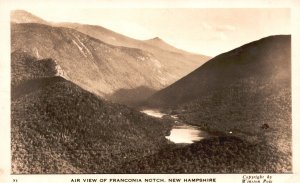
131,97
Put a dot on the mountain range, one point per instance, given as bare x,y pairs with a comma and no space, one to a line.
101,61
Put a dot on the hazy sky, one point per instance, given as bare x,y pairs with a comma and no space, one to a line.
204,31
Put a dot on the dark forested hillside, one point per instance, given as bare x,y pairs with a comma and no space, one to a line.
255,64
57,127
26,67
245,92
214,155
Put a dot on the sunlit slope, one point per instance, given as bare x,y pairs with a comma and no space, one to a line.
101,61
94,65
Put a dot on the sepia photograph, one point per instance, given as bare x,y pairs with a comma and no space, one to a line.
168,90
87,99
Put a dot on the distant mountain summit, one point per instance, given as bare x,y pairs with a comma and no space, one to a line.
92,64
21,16
101,61
158,39
160,43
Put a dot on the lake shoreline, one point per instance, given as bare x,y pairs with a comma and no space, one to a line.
182,132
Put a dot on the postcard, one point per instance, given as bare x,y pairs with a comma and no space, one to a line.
149,91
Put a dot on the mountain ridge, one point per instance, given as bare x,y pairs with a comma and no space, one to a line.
245,93
69,47
80,27
217,59
140,64
58,127
160,43
121,40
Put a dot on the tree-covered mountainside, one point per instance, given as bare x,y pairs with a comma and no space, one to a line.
226,154
26,67
245,92
263,62
57,127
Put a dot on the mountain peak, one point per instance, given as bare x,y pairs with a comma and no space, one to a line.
156,39
261,59
22,16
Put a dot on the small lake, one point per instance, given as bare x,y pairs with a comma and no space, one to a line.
180,132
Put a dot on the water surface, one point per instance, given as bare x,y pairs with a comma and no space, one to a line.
153,112
180,132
